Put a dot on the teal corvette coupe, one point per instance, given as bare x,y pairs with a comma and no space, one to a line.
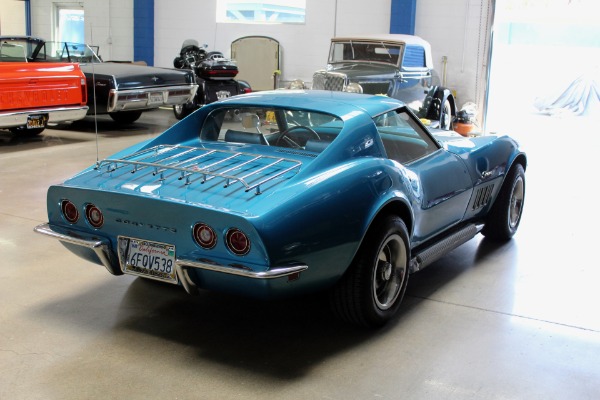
285,192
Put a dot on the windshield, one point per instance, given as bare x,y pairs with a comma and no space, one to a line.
373,51
270,126
67,52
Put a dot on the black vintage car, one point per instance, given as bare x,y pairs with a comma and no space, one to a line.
121,90
399,66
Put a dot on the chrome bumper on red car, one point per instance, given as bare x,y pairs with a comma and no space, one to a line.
11,119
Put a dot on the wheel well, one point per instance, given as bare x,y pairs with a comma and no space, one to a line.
520,159
397,208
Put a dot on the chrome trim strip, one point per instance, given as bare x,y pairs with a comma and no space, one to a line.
100,246
276,272
118,99
163,158
12,119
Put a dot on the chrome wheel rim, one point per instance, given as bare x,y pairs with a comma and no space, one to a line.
516,203
445,120
389,272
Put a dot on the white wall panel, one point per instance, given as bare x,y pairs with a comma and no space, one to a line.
108,24
459,31
304,46
12,17
456,29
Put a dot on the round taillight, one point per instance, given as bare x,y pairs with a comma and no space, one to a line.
205,236
94,216
237,241
69,211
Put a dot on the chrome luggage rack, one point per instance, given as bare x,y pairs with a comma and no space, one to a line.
190,164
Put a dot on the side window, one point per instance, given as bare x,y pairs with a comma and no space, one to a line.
414,57
403,138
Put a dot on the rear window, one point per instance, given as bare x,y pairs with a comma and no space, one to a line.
270,126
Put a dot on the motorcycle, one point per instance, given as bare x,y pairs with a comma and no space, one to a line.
214,74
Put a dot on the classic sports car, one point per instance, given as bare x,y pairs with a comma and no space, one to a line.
399,66
121,90
285,192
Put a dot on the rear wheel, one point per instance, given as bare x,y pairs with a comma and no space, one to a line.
446,116
504,217
370,292
125,117
23,131
183,110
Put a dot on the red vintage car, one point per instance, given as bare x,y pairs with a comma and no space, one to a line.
34,95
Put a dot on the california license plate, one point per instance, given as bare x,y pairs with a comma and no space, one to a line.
148,259
37,121
155,98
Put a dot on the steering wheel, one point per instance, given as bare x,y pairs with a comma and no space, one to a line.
291,141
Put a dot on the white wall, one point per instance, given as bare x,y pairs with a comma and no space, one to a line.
459,30
12,17
304,47
108,24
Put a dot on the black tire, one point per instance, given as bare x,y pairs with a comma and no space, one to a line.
183,110
446,116
505,216
22,131
370,292
125,117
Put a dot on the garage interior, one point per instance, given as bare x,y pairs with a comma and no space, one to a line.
488,321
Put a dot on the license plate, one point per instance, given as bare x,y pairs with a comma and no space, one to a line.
37,121
155,98
223,94
148,259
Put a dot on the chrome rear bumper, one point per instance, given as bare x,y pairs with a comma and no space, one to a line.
12,119
152,97
108,258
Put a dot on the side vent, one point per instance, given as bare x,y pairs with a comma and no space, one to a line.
482,196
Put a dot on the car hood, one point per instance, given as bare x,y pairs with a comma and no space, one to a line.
132,76
365,70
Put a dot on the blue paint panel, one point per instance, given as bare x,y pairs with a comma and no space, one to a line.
403,14
143,31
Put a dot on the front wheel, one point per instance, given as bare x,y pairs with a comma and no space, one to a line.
370,292
125,117
504,217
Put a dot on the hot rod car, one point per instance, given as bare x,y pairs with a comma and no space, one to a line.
121,90
285,192
399,66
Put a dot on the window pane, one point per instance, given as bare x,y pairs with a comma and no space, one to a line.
271,12
70,25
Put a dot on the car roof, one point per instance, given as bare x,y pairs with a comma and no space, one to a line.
340,104
385,37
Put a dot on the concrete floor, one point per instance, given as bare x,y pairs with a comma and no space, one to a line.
516,321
